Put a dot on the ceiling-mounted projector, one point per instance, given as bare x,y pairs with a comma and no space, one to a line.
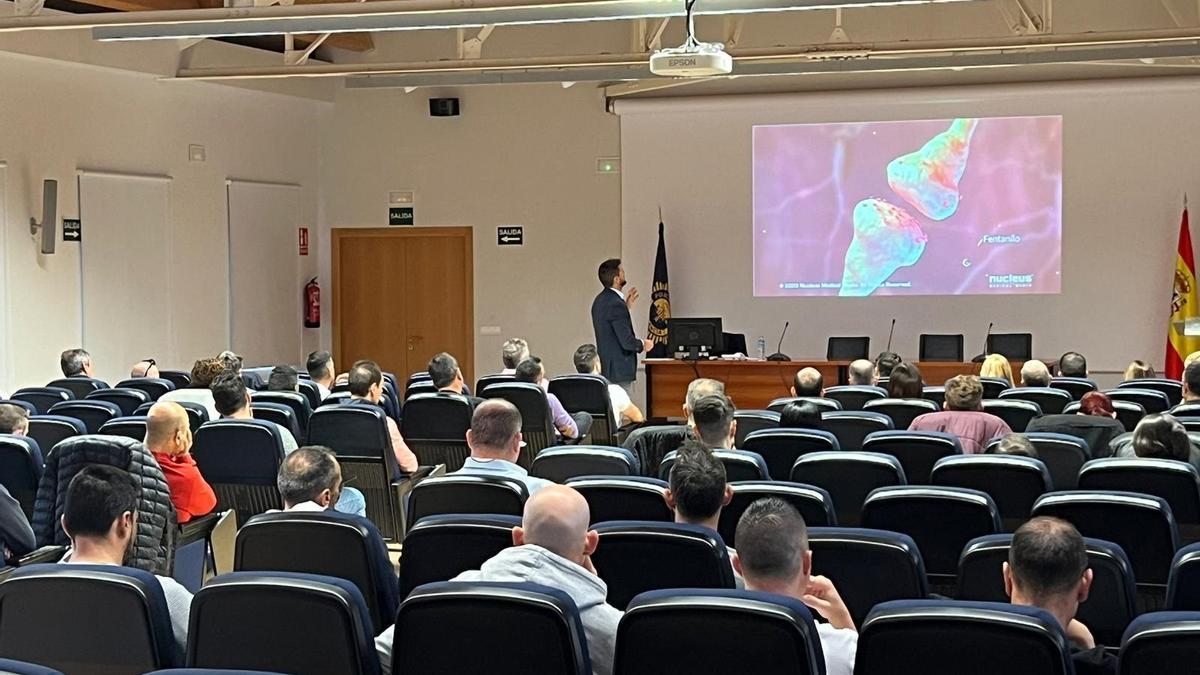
697,59
693,58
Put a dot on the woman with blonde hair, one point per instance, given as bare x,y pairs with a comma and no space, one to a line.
995,365
1138,370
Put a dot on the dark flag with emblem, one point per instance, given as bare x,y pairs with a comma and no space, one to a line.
660,301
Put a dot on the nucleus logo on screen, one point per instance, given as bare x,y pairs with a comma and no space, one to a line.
919,207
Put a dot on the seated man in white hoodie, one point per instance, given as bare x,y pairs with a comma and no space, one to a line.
552,547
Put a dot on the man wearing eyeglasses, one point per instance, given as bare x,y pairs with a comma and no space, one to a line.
144,368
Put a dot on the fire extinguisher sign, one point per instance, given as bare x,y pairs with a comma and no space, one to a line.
304,241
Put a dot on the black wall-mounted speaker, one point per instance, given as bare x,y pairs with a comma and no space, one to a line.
443,107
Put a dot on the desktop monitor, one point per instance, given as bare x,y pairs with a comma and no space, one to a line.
847,348
695,337
941,347
1013,346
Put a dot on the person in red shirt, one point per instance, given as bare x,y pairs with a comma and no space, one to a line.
169,438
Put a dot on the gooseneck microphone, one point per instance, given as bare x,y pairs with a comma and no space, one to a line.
986,337
890,333
779,355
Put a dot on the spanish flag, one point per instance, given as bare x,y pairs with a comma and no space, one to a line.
1184,305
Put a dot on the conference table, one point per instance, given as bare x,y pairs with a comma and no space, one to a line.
752,385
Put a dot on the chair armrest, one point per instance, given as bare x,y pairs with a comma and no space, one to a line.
197,529
45,554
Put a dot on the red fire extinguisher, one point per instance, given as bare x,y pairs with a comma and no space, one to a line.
312,304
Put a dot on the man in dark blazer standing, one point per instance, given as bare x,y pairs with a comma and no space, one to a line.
615,340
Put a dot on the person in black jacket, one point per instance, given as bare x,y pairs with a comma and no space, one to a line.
615,340
16,536
1048,568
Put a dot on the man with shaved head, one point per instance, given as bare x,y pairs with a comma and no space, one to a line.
808,382
144,368
553,547
861,371
169,439
495,442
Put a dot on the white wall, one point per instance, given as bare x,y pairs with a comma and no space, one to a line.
1130,151
60,117
516,156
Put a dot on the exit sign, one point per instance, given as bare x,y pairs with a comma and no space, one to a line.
400,215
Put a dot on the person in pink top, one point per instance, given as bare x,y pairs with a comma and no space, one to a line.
963,416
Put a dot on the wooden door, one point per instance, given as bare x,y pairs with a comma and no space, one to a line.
400,296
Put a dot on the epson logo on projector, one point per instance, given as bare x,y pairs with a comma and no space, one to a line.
682,63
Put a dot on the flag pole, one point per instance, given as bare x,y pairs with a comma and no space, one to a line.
660,207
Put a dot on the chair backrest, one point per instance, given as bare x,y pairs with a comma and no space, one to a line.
780,447
1077,387
280,414
635,556
1016,413
840,348
238,622
332,544
940,519
813,503
21,469
50,430
589,394
1163,643
851,427
651,443
620,498
435,428
127,400
93,413
855,396
130,427
1111,603
823,404
196,412
936,394
868,566
917,451
48,616
311,393
940,347
749,421
28,407
466,493
994,386
724,631
79,385
1013,482
152,387
419,387
513,628
848,477
560,464
1172,389
902,411
180,378
1183,587
358,434
1140,524
1186,410
537,426
1050,400
240,459
488,380
739,465
42,398
11,667
1064,455
944,637
1176,482
439,548
1153,400
295,400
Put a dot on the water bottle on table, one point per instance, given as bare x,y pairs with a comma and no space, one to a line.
762,348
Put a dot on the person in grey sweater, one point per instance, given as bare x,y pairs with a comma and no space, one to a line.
552,547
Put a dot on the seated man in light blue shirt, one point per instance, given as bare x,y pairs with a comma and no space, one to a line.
495,442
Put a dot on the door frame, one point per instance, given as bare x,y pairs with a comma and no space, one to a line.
464,234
